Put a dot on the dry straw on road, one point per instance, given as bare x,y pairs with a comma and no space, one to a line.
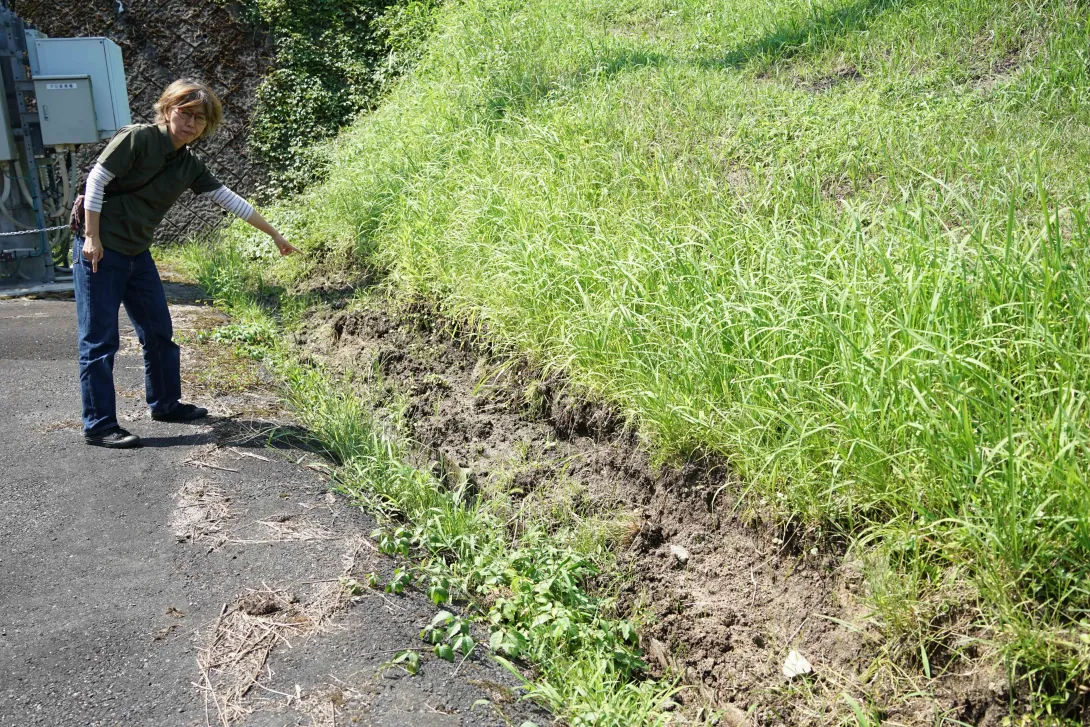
247,631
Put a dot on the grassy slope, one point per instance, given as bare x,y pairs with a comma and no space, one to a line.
839,241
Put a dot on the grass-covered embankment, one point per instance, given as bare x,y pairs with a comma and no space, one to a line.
841,243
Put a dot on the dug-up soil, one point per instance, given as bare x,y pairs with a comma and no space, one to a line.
730,599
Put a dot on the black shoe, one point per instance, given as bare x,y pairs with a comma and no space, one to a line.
181,413
116,438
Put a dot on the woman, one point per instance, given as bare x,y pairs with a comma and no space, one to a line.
137,178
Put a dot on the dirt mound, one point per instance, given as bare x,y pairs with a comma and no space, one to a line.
731,599
161,42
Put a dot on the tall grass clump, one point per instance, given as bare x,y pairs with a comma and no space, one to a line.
842,243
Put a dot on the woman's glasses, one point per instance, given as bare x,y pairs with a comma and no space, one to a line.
197,118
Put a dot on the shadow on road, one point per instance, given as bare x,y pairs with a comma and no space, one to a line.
266,434
181,440
185,294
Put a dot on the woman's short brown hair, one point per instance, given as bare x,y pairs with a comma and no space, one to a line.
187,93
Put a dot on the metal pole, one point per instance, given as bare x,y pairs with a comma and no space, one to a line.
24,122
17,57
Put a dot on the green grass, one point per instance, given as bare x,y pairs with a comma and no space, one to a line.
842,243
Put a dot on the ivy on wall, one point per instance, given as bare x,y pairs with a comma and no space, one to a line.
333,59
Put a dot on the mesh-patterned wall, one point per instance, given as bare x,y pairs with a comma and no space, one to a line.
163,40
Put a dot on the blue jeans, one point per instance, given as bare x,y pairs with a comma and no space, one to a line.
134,282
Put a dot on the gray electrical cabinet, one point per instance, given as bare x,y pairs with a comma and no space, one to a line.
96,58
66,110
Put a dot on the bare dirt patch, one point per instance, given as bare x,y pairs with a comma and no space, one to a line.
987,71
731,598
820,84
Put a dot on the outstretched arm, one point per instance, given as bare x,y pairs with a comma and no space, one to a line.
286,248
239,207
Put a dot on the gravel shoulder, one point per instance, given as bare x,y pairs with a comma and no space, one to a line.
196,580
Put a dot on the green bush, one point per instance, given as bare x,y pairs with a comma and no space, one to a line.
403,28
333,59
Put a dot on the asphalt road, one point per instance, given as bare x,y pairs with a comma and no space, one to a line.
119,568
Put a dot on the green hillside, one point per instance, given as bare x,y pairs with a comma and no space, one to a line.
841,243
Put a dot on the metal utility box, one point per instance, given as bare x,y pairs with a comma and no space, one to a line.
98,58
66,109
